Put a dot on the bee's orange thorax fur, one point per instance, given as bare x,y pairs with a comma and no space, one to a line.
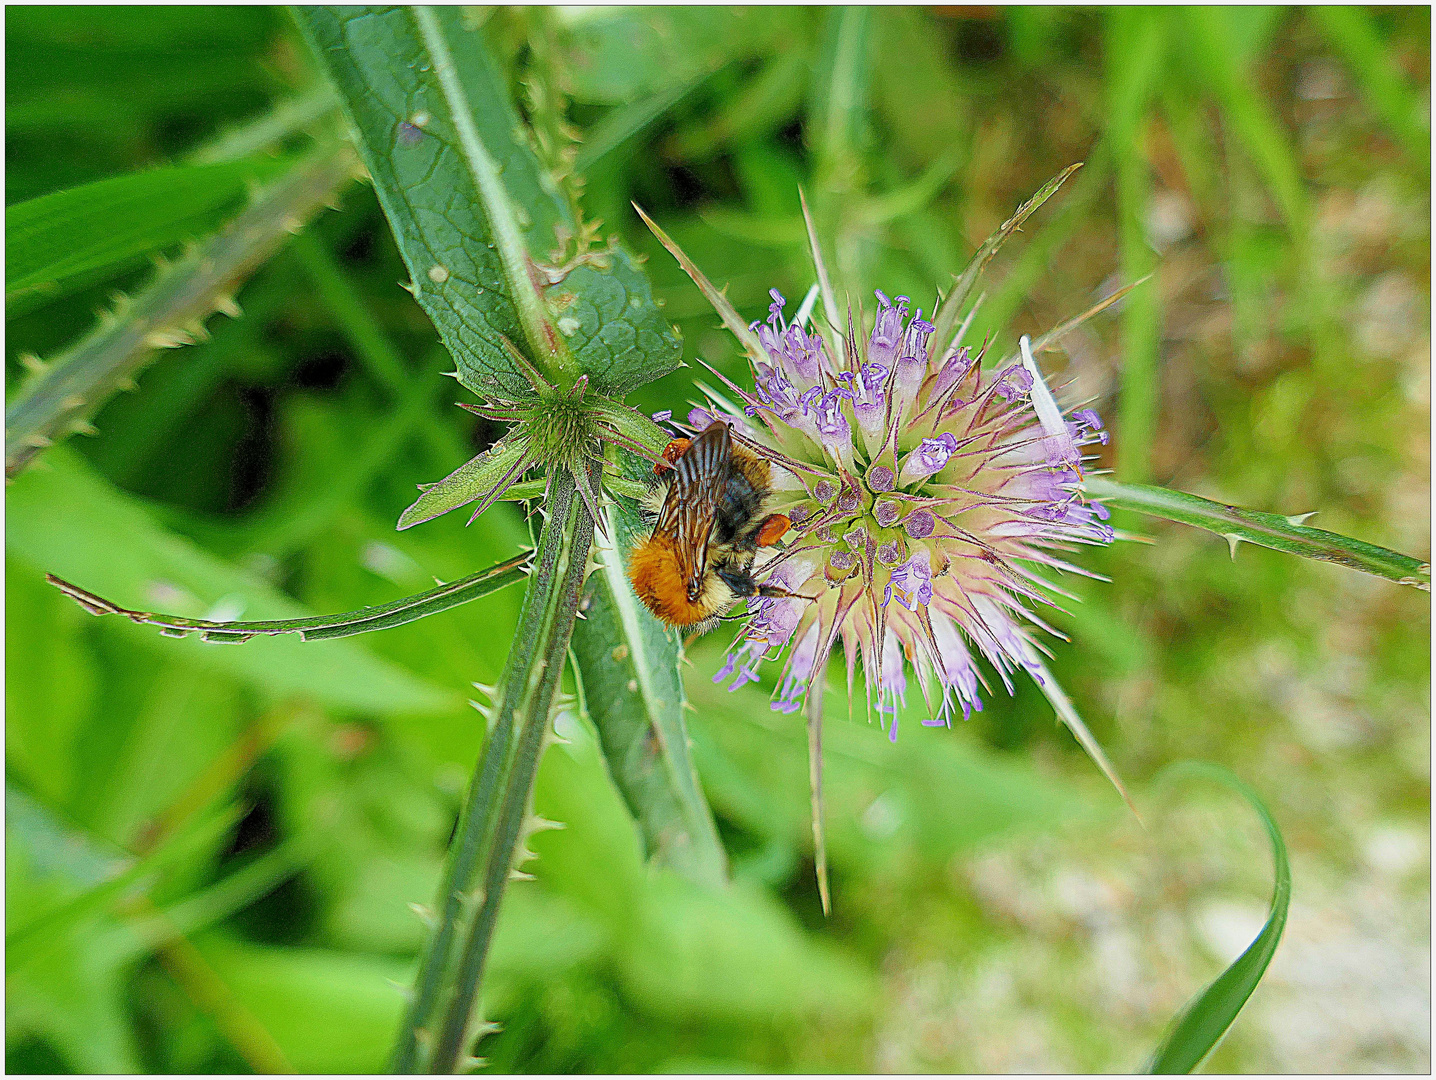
653,570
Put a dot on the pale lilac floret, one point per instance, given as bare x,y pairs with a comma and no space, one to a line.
1086,426
798,673
911,582
892,683
742,663
955,367
789,345
931,456
1013,384
955,671
887,333
833,430
869,400
911,363
1043,485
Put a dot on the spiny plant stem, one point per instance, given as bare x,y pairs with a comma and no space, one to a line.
169,312
500,791
1266,530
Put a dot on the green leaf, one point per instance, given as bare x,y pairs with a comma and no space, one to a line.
381,617
622,338
1267,530
628,666
327,1011
437,131
67,520
50,678
36,936
473,212
101,225
1206,1019
72,993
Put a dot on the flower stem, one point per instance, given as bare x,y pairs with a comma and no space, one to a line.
499,794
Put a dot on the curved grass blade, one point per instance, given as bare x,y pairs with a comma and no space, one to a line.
319,627
26,942
1266,530
1354,32
1205,1020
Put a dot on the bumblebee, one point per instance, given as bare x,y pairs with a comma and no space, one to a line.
710,514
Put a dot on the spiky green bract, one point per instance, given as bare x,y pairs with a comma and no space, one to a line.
556,430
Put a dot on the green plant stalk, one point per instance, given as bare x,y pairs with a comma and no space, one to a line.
1266,530
170,312
285,119
319,627
501,788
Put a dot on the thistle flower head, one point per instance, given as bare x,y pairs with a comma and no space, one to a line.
931,495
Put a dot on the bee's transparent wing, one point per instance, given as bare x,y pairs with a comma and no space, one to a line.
699,477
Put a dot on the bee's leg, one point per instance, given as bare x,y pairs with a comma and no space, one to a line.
740,581
671,453
777,592
772,530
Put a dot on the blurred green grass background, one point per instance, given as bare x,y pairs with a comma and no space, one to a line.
995,908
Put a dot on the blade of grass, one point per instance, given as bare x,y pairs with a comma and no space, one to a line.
1266,530
1353,31
363,621
1207,1018
26,943
52,239
763,105
627,121
373,348
1136,46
